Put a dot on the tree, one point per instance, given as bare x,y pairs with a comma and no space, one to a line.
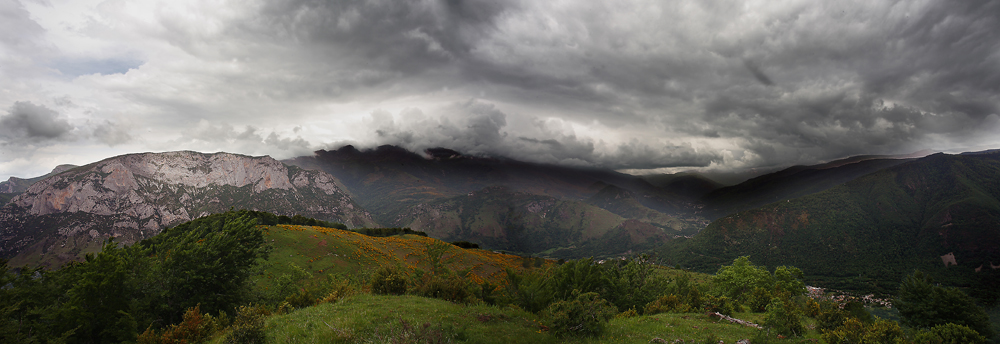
922,304
753,286
949,334
784,317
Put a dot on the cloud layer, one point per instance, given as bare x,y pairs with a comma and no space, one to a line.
639,85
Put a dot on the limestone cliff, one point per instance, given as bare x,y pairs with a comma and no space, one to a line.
132,197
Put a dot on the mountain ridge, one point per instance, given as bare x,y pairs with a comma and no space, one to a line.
134,196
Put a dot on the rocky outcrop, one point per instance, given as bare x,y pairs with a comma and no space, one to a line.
132,197
18,185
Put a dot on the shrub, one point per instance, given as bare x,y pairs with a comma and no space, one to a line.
301,298
195,328
666,304
783,317
388,281
855,331
451,288
719,304
465,244
585,315
812,308
949,334
248,327
339,288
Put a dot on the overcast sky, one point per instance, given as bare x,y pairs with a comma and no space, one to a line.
629,85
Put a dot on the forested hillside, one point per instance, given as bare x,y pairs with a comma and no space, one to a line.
940,214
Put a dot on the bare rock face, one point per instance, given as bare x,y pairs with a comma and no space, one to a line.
132,197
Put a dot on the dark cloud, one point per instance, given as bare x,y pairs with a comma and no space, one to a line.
627,84
480,128
26,122
757,73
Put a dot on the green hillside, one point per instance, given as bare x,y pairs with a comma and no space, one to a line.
793,182
868,233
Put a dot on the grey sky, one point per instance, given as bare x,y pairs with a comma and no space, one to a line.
631,85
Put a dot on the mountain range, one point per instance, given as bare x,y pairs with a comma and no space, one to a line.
857,223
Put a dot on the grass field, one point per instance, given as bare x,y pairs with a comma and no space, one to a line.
367,318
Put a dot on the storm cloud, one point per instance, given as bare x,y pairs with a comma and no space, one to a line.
636,85
27,122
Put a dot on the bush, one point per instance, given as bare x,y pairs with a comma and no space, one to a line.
388,281
195,328
855,331
585,315
339,289
451,288
949,334
666,304
783,317
465,244
719,304
248,327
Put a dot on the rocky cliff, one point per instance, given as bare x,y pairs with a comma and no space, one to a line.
132,197
19,185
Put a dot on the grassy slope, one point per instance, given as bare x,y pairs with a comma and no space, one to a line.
328,251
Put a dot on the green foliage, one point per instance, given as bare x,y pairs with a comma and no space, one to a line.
633,283
629,283
753,286
449,287
248,327
529,291
874,227
110,295
465,244
949,334
389,281
854,331
386,232
721,304
195,328
923,305
666,304
585,314
831,316
268,219
783,317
